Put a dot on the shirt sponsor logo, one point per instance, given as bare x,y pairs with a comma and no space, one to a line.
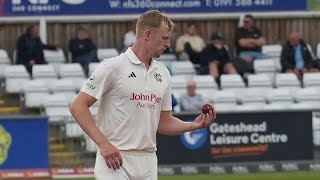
148,101
90,81
194,139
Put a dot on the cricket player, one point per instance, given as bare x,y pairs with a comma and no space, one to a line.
134,96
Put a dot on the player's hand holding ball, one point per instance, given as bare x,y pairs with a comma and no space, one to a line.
206,108
206,118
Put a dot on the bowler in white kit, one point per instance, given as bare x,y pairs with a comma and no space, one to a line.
134,94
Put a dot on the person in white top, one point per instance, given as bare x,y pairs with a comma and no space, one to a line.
129,37
135,102
190,43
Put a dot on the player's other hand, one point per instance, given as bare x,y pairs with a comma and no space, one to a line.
111,155
204,120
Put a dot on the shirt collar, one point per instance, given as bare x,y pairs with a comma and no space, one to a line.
135,60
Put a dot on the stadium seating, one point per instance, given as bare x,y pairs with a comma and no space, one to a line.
65,87
35,92
306,98
15,76
4,58
182,68
287,80
94,109
72,71
259,81
311,51
224,100
56,108
265,66
311,80
279,99
206,85
280,96
232,81
167,59
44,71
178,85
14,57
273,50
92,67
2,69
54,57
107,53
318,51
252,96
73,129
90,144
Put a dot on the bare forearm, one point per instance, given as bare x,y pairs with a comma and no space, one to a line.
174,126
246,43
260,42
84,118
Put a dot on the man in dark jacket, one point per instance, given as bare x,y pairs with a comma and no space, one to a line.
30,48
82,49
249,40
296,57
215,59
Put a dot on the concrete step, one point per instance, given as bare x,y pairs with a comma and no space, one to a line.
9,110
57,147
63,154
66,163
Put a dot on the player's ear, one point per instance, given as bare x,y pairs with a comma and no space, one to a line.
146,34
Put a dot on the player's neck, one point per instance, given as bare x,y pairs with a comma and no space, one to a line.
142,54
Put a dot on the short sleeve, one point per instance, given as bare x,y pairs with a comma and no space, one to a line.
167,101
259,33
100,81
238,35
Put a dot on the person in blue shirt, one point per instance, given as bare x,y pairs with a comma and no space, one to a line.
174,101
296,57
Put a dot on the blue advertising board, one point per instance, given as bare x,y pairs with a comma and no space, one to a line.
242,137
24,143
113,7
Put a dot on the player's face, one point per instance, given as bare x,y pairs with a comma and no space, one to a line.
159,40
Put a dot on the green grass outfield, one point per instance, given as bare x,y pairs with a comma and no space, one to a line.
259,176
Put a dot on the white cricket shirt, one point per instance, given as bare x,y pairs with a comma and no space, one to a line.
131,100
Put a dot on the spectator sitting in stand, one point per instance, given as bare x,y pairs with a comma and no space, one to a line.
30,48
190,43
296,57
215,59
191,101
82,49
249,40
130,36
174,102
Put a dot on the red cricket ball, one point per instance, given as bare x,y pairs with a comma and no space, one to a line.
206,108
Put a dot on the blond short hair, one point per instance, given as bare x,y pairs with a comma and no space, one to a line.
153,19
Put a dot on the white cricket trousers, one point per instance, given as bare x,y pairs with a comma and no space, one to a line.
135,166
